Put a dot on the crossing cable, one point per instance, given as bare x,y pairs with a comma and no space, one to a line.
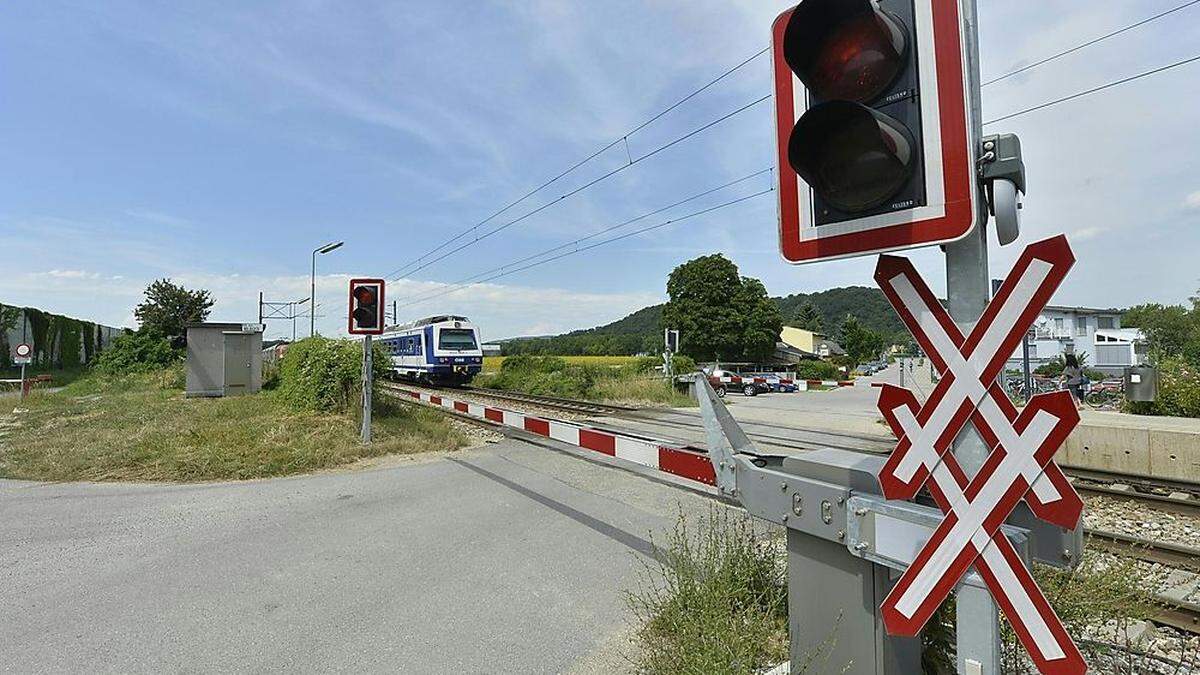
1089,43
575,242
632,233
623,139
1093,90
583,187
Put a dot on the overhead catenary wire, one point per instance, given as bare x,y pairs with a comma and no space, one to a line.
1089,43
1093,90
585,186
589,247
575,242
623,139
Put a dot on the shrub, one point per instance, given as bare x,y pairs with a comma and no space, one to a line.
137,353
817,370
318,373
684,364
717,600
543,375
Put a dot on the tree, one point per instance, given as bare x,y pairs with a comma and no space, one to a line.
169,307
861,344
719,314
808,317
1170,330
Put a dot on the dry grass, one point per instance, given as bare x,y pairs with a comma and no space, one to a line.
141,428
641,391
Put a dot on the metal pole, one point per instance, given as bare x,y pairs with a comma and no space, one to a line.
293,321
260,301
967,293
312,298
366,391
1025,363
23,391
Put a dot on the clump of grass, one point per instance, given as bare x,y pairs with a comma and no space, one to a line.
716,602
641,390
140,428
632,380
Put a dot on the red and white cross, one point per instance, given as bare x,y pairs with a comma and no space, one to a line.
1019,467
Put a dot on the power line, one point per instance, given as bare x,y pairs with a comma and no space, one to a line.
575,242
583,187
1090,43
602,243
624,138
1093,90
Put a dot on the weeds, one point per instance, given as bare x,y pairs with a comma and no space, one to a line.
633,379
716,602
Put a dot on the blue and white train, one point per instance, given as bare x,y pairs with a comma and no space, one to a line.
436,350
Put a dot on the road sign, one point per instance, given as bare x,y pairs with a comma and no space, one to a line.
1019,467
875,148
365,316
24,354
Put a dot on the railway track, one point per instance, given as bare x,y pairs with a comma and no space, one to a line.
1179,614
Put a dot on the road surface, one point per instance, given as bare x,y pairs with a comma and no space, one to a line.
510,558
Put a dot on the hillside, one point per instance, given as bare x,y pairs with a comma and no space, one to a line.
641,331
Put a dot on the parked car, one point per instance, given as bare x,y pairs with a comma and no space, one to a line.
776,383
723,381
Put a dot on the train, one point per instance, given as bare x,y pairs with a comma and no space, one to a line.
442,350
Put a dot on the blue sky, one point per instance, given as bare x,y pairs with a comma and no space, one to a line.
218,143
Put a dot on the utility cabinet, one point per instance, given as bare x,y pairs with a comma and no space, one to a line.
224,359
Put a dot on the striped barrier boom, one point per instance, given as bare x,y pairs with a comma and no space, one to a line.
682,462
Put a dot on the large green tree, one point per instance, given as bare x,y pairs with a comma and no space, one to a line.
169,307
720,314
861,344
808,317
1170,330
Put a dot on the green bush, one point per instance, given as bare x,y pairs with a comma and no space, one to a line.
544,376
817,370
716,602
138,353
684,364
322,374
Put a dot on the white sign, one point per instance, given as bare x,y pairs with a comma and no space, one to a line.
24,351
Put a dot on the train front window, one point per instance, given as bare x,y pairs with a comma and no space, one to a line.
456,338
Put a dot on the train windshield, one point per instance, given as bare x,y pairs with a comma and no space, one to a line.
456,338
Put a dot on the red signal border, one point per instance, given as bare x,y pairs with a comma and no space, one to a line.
355,283
799,243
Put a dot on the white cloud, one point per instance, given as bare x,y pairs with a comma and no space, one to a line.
1193,200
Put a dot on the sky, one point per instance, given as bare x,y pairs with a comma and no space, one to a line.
219,143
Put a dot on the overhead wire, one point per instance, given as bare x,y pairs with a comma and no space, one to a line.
623,139
1093,90
1089,43
585,186
506,272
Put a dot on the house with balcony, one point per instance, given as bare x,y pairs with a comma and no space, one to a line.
1060,330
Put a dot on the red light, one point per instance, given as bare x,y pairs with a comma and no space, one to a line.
845,52
364,295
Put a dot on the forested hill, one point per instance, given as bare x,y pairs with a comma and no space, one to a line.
641,331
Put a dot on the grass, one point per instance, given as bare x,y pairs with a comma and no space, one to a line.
716,602
601,378
641,390
141,428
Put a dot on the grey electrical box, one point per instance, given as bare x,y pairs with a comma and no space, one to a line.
224,359
1141,383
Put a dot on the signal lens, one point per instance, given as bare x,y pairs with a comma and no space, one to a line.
854,158
844,50
365,295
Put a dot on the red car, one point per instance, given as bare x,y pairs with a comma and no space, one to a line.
723,380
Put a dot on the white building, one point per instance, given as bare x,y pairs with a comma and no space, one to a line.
1096,332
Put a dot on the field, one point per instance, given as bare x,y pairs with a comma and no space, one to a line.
492,364
141,428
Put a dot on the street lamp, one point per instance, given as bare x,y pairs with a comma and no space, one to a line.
296,305
312,324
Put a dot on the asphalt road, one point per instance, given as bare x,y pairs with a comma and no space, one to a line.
510,558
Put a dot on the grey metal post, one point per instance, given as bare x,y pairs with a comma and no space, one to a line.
312,298
967,293
22,381
366,391
1025,363
260,303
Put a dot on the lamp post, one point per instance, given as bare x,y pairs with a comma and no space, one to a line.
295,306
312,324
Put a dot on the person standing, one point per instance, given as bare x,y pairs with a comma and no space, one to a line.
1072,377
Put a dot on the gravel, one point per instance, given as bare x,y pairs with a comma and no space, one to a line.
1138,519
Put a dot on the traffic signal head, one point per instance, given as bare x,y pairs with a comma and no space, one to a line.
869,109
366,307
